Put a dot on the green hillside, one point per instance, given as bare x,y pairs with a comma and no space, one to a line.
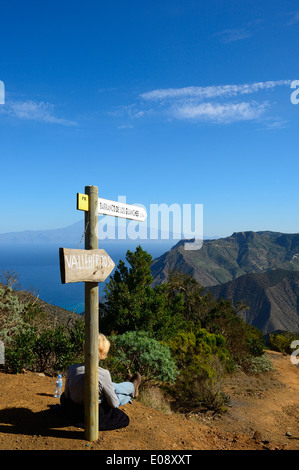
224,259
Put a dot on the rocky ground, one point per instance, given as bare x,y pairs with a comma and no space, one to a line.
263,414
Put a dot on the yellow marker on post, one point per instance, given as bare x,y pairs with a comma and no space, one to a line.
82,202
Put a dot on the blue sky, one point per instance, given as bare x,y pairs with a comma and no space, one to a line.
184,102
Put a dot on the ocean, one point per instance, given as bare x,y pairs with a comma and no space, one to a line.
38,270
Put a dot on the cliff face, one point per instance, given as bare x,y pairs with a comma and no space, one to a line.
272,298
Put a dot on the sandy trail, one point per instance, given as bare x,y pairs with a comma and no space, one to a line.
266,406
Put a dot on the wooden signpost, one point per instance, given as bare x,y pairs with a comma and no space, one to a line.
83,265
93,265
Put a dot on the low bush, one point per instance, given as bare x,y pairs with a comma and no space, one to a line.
259,364
135,351
281,341
32,341
201,358
153,397
50,351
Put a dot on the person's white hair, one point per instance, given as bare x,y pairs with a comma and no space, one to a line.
104,346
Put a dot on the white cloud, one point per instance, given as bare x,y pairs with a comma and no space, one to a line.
211,91
34,111
220,112
197,103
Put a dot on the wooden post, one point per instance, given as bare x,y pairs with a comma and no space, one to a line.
91,385
78,266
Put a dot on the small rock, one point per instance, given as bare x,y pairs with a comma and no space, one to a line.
288,433
257,436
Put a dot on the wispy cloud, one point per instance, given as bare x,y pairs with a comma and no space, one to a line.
34,111
234,34
274,124
240,32
125,126
219,112
294,18
133,111
217,103
212,91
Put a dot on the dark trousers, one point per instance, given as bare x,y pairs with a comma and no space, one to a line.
109,418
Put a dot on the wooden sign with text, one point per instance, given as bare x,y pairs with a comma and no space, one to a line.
120,209
84,265
113,208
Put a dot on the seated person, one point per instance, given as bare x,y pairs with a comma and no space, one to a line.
111,395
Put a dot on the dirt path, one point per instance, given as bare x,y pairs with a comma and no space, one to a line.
268,404
265,404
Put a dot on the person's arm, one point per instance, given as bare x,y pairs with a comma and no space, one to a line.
108,389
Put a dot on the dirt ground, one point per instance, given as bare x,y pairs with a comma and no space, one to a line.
262,415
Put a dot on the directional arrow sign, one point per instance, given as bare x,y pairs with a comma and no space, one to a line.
114,208
120,209
84,265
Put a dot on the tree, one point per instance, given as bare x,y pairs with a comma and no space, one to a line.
133,304
128,294
191,291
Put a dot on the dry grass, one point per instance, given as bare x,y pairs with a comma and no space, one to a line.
154,398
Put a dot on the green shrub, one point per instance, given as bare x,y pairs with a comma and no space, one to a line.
50,350
255,341
136,352
281,341
77,339
200,384
259,364
19,352
191,346
11,319
201,357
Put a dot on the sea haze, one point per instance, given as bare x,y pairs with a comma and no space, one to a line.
34,256
37,267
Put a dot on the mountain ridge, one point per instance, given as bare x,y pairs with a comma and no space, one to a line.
224,259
